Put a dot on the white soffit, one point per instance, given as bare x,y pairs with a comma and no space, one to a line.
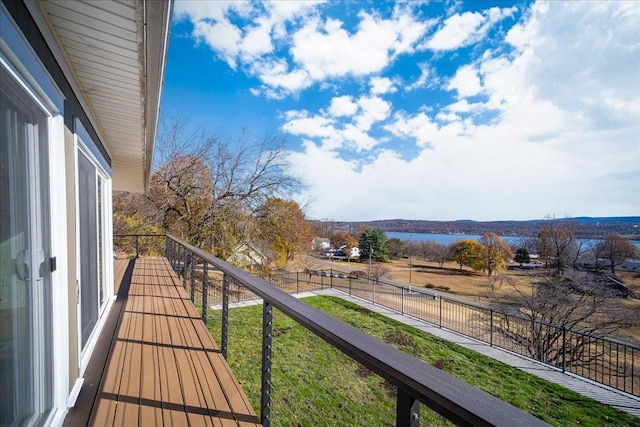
115,51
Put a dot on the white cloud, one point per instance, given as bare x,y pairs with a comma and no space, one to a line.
465,81
556,132
358,139
460,30
249,33
587,71
346,124
382,85
325,49
427,78
420,127
276,76
221,36
343,106
543,121
456,32
372,109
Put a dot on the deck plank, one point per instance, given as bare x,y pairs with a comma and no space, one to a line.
163,368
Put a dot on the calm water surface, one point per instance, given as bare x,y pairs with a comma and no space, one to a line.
447,239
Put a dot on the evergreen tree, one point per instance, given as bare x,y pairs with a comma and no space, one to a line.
374,238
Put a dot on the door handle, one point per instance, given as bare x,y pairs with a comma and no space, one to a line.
21,267
23,260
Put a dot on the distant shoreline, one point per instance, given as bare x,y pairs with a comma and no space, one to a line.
584,227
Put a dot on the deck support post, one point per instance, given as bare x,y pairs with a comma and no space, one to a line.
407,410
267,337
185,255
205,291
225,315
193,278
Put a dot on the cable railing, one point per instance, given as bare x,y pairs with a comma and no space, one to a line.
209,280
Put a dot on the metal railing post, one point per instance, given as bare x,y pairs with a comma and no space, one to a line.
374,293
193,278
184,268
137,246
297,282
267,340
205,290
491,327
440,321
407,410
331,278
225,315
402,299
564,348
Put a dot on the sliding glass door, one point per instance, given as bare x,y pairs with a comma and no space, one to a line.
92,251
26,373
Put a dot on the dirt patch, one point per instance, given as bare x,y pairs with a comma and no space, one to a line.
442,364
361,309
400,339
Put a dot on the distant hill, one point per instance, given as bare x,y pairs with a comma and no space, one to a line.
585,227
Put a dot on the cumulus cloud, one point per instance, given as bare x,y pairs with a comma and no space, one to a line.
466,82
345,124
460,30
539,119
320,49
343,106
544,133
382,85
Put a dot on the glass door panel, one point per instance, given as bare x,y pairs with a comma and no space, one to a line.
87,213
26,377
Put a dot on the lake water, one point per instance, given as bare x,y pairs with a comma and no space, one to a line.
447,239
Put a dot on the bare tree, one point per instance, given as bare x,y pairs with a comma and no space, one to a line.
538,321
378,271
616,249
207,188
435,252
556,242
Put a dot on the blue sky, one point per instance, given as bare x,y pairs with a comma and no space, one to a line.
425,110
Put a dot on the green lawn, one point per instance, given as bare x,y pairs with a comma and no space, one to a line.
314,384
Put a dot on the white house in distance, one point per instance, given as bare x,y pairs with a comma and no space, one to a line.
80,85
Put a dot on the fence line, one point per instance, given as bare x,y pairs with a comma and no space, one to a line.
604,360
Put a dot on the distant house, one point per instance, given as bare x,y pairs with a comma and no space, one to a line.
320,244
355,252
340,253
248,256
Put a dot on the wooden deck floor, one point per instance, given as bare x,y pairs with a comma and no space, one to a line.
160,365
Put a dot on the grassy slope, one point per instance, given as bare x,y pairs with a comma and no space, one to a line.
327,381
